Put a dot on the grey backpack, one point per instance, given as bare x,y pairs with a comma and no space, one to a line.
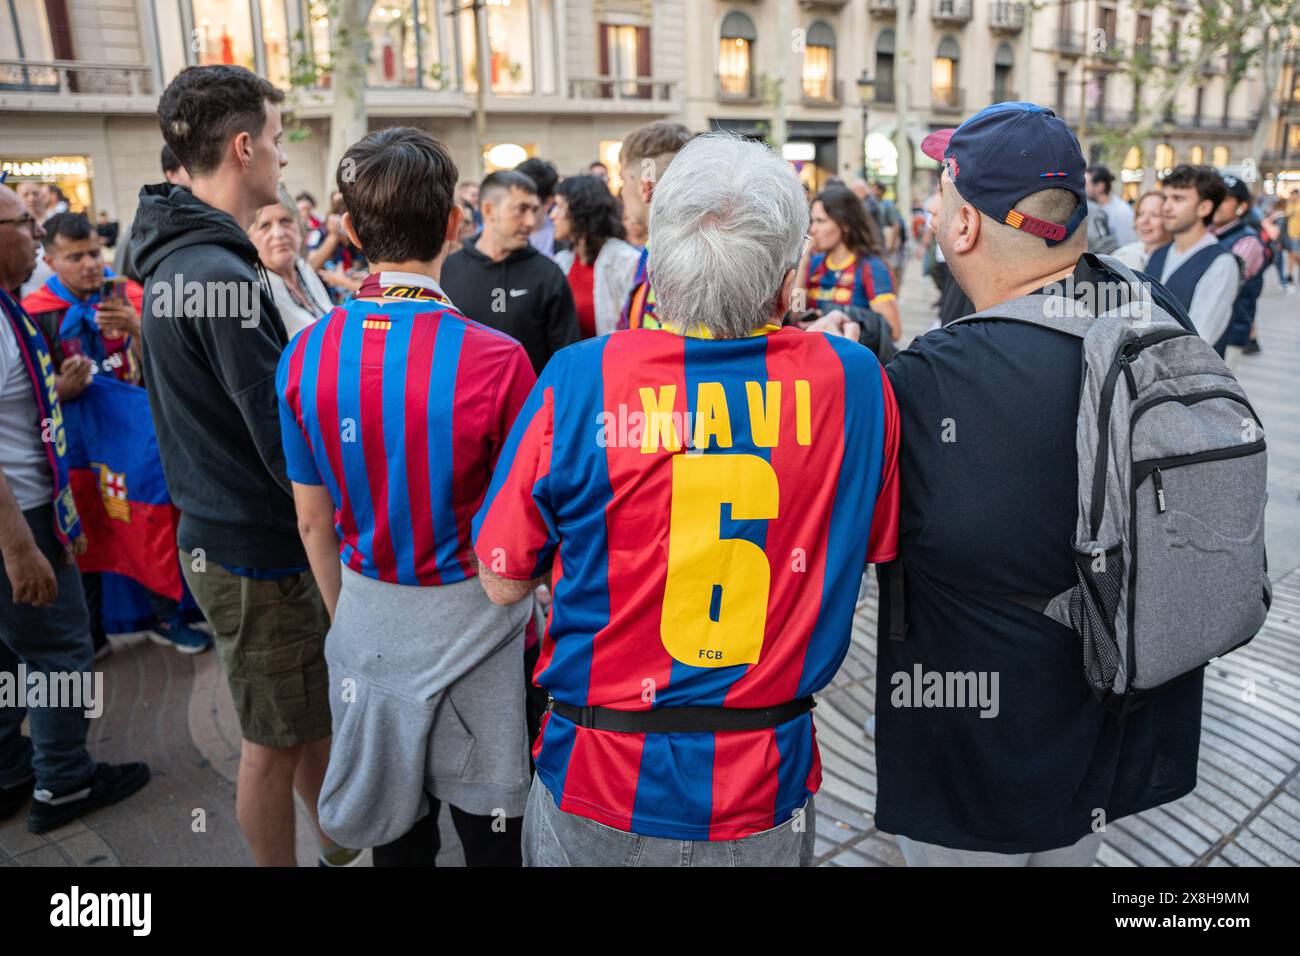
1169,542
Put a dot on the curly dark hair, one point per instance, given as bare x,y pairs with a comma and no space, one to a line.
859,230
593,212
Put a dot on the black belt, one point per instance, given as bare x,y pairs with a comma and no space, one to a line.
682,720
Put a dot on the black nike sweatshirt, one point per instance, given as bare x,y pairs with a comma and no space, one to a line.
525,295
212,340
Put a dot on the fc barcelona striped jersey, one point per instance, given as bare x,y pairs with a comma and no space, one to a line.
864,283
706,508
400,409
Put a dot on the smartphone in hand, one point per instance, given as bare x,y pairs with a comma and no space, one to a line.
112,288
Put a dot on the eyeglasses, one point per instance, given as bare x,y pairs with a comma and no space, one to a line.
28,222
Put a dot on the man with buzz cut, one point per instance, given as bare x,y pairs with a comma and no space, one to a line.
988,509
500,278
210,360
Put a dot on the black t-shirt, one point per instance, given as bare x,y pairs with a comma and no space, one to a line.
988,504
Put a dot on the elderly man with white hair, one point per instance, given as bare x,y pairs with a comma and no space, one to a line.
703,498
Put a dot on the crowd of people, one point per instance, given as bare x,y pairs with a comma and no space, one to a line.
554,505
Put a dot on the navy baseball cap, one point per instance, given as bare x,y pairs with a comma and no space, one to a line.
1236,188
1006,152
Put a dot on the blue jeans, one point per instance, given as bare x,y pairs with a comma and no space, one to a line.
554,837
50,639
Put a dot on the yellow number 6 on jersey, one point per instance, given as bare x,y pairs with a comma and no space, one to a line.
711,577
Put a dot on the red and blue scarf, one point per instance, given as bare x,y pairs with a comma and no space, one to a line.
49,419
79,332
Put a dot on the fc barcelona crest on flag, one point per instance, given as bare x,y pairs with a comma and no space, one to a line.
112,486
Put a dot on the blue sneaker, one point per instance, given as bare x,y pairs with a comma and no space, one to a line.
176,633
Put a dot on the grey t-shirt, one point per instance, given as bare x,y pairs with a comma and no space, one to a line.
22,454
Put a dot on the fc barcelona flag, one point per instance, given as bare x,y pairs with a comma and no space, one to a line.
117,479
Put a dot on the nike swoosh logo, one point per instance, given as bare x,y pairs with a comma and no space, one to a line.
516,293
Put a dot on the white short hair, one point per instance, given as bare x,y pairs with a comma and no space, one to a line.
727,223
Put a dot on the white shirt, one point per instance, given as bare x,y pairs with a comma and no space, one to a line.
1211,306
294,316
22,455
1119,215
1134,255
38,277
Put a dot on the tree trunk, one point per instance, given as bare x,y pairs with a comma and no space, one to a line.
351,49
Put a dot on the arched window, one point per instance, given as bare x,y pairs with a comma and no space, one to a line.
1196,155
943,83
1220,156
885,67
1003,62
1164,160
735,47
819,62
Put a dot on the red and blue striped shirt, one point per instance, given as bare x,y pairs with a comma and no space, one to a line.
400,408
706,508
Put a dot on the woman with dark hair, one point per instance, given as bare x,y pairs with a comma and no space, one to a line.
844,269
599,264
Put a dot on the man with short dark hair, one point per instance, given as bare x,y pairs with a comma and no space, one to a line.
1195,267
545,177
599,170
501,280
212,342
43,626
385,521
1119,215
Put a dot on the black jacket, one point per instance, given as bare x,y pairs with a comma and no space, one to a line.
525,295
210,356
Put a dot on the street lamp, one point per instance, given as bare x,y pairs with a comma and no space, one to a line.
866,87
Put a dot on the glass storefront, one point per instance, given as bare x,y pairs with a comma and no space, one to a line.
73,174
509,67
223,33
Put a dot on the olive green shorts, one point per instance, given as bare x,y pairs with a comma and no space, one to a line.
270,637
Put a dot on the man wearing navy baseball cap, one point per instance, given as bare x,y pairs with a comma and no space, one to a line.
1031,774
1235,233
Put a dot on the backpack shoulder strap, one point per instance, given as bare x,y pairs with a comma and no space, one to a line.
1034,309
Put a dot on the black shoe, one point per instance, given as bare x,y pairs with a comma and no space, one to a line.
1251,348
13,799
109,784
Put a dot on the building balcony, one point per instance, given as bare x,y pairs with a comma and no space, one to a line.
736,89
1006,17
957,12
1273,158
1114,119
829,96
624,94
824,4
76,86
1112,52
882,95
882,8
1069,42
947,101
